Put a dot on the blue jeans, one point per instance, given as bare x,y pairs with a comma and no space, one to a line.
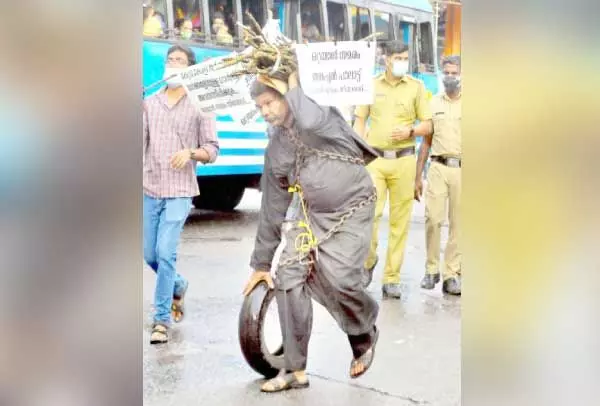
163,223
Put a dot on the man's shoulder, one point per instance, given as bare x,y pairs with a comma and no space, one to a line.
380,84
155,95
436,102
380,80
416,82
152,99
437,98
414,79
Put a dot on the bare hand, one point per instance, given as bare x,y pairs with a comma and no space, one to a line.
256,278
181,158
293,80
401,133
418,189
276,84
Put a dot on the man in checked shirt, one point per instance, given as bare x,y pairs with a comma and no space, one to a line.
176,136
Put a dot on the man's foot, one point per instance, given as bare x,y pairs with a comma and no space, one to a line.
452,286
177,308
286,380
160,334
368,277
430,280
360,365
391,290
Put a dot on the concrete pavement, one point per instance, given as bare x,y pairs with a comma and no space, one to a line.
418,355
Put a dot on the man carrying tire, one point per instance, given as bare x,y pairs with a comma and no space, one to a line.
314,157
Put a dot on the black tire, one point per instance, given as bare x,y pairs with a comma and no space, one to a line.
250,331
219,195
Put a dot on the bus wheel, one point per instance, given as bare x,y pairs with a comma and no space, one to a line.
253,335
219,195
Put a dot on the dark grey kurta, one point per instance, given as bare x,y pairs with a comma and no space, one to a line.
330,188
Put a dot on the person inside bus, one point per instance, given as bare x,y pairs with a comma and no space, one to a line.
364,30
221,30
186,30
310,31
152,23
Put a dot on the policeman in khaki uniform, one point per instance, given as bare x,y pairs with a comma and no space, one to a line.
443,181
400,101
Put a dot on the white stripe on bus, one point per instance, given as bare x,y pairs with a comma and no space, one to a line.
237,127
236,143
235,160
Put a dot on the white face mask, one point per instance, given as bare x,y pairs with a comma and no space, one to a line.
399,68
174,81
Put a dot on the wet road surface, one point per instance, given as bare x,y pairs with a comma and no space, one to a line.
418,354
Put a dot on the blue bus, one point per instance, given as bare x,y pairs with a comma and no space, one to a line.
216,33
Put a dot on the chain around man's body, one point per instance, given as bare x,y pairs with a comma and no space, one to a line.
300,153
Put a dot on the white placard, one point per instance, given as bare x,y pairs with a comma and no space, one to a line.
216,90
337,74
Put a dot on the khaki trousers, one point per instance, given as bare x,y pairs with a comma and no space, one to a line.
396,177
443,188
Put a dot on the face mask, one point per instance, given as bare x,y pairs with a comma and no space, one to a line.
451,83
399,68
174,81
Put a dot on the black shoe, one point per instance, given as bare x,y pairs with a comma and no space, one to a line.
368,277
452,286
430,280
391,290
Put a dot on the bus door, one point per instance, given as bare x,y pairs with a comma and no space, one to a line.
418,34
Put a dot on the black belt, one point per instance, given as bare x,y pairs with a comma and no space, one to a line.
447,160
395,153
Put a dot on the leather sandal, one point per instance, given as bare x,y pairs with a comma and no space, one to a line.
284,381
366,360
160,334
177,307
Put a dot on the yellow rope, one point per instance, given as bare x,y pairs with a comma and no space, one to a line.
306,240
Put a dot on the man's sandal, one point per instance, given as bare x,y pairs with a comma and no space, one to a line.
159,334
366,360
177,307
284,381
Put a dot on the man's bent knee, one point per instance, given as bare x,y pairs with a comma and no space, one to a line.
150,258
433,217
434,222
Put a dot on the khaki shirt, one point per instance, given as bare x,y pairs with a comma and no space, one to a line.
446,126
401,103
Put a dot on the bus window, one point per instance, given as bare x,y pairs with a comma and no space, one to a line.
312,21
290,23
258,10
361,21
425,44
405,30
408,34
188,20
384,25
338,29
419,37
222,19
155,20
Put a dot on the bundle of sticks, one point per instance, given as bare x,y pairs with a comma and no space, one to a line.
273,59
276,60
